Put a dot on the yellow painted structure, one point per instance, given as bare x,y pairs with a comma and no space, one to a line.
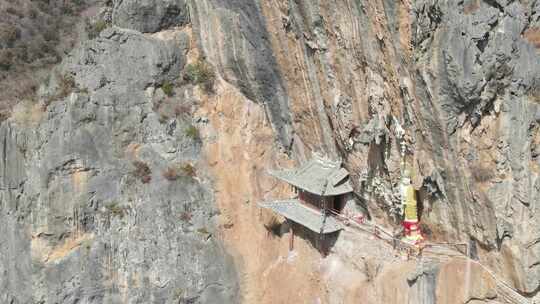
409,202
410,210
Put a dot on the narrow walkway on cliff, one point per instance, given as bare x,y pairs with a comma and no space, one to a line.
432,251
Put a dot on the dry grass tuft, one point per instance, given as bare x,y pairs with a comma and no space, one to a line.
188,170
142,171
533,36
186,216
174,172
171,174
27,113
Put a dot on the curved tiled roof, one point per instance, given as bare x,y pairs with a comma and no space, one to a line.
299,213
319,176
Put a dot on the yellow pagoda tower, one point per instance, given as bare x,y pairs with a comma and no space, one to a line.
409,207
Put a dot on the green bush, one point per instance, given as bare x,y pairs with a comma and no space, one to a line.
192,132
115,209
201,73
94,29
167,88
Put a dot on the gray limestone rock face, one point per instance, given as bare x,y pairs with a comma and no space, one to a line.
110,59
89,208
149,16
481,75
233,35
104,199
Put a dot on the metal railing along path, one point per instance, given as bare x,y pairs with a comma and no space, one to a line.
507,291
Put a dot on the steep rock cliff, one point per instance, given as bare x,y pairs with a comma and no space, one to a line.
140,186
102,200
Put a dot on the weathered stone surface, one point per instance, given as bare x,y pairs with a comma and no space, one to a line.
482,77
234,36
150,16
336,77
111,57
81,224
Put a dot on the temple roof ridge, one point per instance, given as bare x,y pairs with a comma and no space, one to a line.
320,175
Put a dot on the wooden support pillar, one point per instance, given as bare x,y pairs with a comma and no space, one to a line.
291,238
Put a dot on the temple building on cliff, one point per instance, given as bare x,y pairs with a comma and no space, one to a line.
323,189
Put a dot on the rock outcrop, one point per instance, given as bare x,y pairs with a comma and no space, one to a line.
149,16
130,182
101,198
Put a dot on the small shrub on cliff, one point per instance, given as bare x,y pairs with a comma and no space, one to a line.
204,232
95,28
186,216
65,86
534,94
115,209
142,171
174,172
171,174
273,227
201,73
192,132
188,170
168,88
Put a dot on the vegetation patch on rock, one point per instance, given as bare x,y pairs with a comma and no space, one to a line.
142,171
174,172
192,132
167,88
93,29
201,73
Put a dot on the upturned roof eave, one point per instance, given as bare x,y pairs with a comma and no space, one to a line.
282,175
330,190
297,212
